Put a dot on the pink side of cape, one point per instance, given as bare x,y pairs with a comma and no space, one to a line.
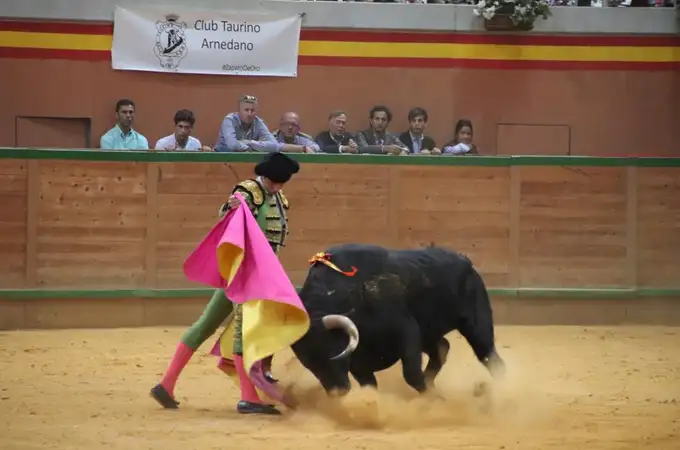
260,276
201,264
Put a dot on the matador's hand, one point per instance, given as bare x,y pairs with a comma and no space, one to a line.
233,202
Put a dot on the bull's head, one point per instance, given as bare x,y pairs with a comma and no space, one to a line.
324,350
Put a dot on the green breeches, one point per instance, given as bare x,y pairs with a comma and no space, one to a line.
216,312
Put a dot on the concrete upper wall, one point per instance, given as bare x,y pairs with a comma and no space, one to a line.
372,15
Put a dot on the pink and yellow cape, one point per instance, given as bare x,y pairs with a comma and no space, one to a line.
236,256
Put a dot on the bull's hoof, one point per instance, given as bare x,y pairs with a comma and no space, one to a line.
337,392
495,365
434,394
429,380
245,407
163,397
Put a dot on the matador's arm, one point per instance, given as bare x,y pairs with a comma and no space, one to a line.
251,192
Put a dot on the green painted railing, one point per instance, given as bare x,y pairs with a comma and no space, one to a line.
41,294
486,161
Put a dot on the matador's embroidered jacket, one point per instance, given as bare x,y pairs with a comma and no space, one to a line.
269,210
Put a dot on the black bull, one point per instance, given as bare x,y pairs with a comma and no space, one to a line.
398,305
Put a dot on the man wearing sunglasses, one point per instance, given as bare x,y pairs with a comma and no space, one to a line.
244,131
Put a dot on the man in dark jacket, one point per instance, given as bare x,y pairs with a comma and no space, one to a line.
414,138
337,139
376,139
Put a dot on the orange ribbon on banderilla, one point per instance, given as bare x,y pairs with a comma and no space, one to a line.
325,258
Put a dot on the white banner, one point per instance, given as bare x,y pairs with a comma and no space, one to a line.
206,42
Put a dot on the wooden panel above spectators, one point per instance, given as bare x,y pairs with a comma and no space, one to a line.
121,220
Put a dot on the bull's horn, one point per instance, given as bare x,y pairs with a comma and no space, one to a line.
332,321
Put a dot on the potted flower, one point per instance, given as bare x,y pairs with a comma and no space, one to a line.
511,14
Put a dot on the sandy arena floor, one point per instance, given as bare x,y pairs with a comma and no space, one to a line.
567,388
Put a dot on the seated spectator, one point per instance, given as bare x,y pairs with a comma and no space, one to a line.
415,139
181,139
337,139
376,139
122,136
462,141
244,131
291,138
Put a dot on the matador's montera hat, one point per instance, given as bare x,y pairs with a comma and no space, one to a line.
278,167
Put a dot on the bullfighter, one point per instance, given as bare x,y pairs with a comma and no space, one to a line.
268,204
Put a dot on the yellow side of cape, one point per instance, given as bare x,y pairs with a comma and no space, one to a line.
268,326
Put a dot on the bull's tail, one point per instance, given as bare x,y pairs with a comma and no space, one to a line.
477,324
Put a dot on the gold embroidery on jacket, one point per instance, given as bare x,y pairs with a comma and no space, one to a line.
277,220
254,189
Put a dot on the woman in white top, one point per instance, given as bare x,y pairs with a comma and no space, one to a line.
462,141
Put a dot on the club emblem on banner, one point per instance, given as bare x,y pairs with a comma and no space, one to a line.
171,46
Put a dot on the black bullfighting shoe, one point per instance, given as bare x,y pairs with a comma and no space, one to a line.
245,407
162,396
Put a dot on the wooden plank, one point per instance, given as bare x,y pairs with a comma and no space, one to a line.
13,216
91,224
200,178
658,227
151,237
463,208
573,227
33,199
515,220
631,226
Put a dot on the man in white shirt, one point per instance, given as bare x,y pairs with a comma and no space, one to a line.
181,140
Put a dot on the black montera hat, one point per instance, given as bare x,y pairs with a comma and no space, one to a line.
277,167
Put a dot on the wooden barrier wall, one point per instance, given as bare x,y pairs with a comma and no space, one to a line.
127,220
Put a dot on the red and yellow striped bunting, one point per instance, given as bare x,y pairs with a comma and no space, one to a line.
92,42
